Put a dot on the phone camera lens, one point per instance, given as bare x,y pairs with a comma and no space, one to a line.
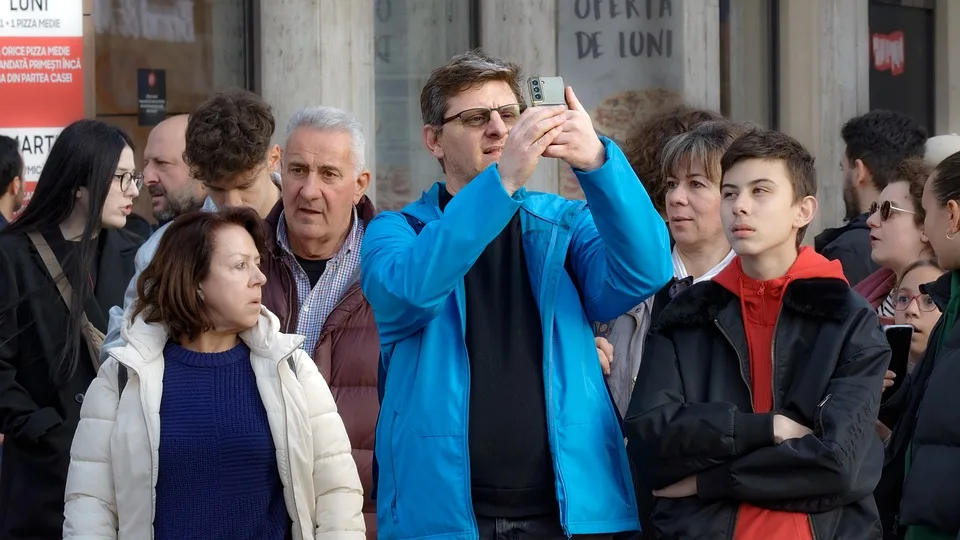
536,82
537,96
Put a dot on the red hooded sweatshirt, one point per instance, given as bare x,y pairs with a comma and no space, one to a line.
761,302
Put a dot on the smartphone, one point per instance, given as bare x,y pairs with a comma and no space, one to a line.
545,91
899,337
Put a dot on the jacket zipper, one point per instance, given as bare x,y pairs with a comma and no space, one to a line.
736,512
739,361
461,312
393,501
551,421
286,436
146,423
773,359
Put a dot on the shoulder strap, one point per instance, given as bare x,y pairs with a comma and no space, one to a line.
121,378
92,336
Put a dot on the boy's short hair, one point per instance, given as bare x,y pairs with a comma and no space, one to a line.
227,135
767,144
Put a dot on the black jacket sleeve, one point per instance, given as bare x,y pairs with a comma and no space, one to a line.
20,417
670,439
852,249
840,462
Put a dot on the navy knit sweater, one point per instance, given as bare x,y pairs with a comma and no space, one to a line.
218,475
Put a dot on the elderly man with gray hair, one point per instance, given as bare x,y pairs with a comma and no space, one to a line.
313,268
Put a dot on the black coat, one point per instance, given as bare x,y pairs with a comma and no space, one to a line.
38,418
849,244
692,414
928,405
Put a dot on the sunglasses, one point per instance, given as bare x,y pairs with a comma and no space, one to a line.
886,208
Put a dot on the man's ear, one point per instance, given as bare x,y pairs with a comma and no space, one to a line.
363,182
431,139
808,209
14,187
861,174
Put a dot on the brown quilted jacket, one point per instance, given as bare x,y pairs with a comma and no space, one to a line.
347,353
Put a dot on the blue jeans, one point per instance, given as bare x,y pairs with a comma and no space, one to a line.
540,527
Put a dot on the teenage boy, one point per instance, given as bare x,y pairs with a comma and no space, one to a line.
753,413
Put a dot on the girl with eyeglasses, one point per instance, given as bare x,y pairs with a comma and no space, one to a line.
63,264
896,235
916,308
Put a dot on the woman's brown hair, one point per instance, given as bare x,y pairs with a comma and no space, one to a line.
169,288
914,171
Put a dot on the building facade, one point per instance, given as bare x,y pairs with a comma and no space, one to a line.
803,66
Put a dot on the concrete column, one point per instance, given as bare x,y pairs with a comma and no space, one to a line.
824,81
750,51
700,43
319,52
525,32
227,33
947,66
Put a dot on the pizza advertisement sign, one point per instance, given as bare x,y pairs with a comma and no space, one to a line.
41,75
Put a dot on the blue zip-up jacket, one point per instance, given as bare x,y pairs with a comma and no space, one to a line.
619,251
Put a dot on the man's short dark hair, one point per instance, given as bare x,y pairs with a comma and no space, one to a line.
227,135
11,163
882,140
168,289
768,144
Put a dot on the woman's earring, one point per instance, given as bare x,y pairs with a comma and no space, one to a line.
954,233
275,176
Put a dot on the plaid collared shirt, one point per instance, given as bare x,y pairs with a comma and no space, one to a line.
316,304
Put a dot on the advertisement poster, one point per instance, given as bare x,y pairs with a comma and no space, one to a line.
41,77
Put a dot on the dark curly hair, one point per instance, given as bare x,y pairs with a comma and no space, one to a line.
882,140
644,147
227,135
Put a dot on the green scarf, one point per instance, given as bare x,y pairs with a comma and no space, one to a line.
919,532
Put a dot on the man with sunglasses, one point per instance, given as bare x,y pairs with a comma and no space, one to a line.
494,418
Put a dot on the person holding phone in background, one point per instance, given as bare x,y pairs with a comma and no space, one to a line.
492,422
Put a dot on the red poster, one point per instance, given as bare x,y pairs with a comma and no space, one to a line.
41,75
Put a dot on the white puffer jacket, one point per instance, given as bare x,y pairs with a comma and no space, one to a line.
113,461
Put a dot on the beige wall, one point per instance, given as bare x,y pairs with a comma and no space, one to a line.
947,66
823,81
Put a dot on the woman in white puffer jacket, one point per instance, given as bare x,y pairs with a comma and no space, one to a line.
209,422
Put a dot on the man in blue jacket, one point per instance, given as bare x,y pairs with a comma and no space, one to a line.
495,419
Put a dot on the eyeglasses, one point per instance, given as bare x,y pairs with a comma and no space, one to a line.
474,118
128,178
679,286
903,299
885,209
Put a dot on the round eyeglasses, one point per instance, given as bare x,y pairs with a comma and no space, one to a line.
130,178
886,208
903,299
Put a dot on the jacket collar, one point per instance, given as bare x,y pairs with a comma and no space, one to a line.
829,235
823,298
939,290
144,342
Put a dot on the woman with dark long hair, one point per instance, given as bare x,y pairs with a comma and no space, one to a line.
63,264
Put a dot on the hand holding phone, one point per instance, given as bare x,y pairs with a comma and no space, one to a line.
899,336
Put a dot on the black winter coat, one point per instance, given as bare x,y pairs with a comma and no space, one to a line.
849,244
930,494
691,413
38,418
